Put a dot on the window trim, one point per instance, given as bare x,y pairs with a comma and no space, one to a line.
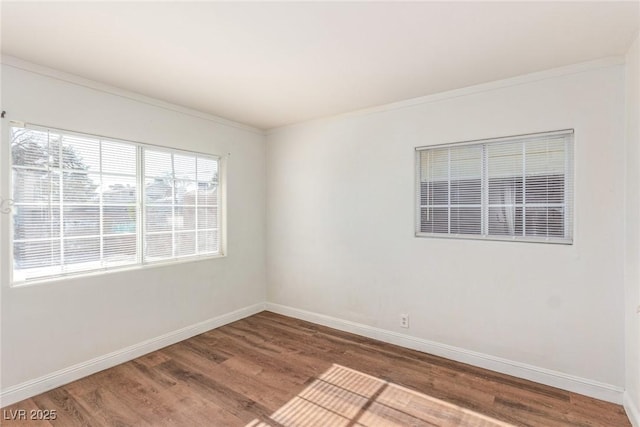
569,178
140,263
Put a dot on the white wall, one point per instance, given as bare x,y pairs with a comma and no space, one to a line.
340,228
632,232
48,327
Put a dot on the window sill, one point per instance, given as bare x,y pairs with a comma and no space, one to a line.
108,271
496,238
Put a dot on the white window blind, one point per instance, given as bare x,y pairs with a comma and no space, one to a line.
181,205
516,188
77,204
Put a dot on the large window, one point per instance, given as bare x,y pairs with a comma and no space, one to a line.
515,188
85,203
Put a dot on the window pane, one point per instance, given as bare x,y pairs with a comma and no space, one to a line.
36,222
45,253
505,191
545,156
178,217
207,217
82,251
207,170
158,191
466,220
158,246
188,218
505,221
79,187
185,244
465,168
185,192
434,177
185,167
80,153
425,193
434,220
118,158
545,189
158,164
32,148
466,192
207,196
118,219
159,218
81,221
208,241
35,186
119,189
120,249
556,224
434,164
190,194
435,193
504,160
544,222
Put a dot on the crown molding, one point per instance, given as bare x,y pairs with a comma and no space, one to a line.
23,65
580,67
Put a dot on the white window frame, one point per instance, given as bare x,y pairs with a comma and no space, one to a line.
143,213
140,263
569,191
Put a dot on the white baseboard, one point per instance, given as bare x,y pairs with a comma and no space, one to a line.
632,409
55,379
549,377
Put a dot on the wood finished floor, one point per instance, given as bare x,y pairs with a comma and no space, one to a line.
272,370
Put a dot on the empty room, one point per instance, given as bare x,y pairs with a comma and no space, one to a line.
279,214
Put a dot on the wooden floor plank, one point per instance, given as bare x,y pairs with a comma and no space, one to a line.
272,370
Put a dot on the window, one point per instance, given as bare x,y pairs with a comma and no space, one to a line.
181,205
514,188
85,203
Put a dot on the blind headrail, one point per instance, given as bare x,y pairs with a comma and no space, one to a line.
513,138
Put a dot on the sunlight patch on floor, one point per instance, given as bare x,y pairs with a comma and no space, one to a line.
344,397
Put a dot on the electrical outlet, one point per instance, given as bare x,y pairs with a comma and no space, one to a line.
404,320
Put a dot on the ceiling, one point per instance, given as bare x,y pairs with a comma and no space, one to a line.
272,64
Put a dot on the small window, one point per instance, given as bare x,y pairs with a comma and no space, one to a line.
86,203
514,188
